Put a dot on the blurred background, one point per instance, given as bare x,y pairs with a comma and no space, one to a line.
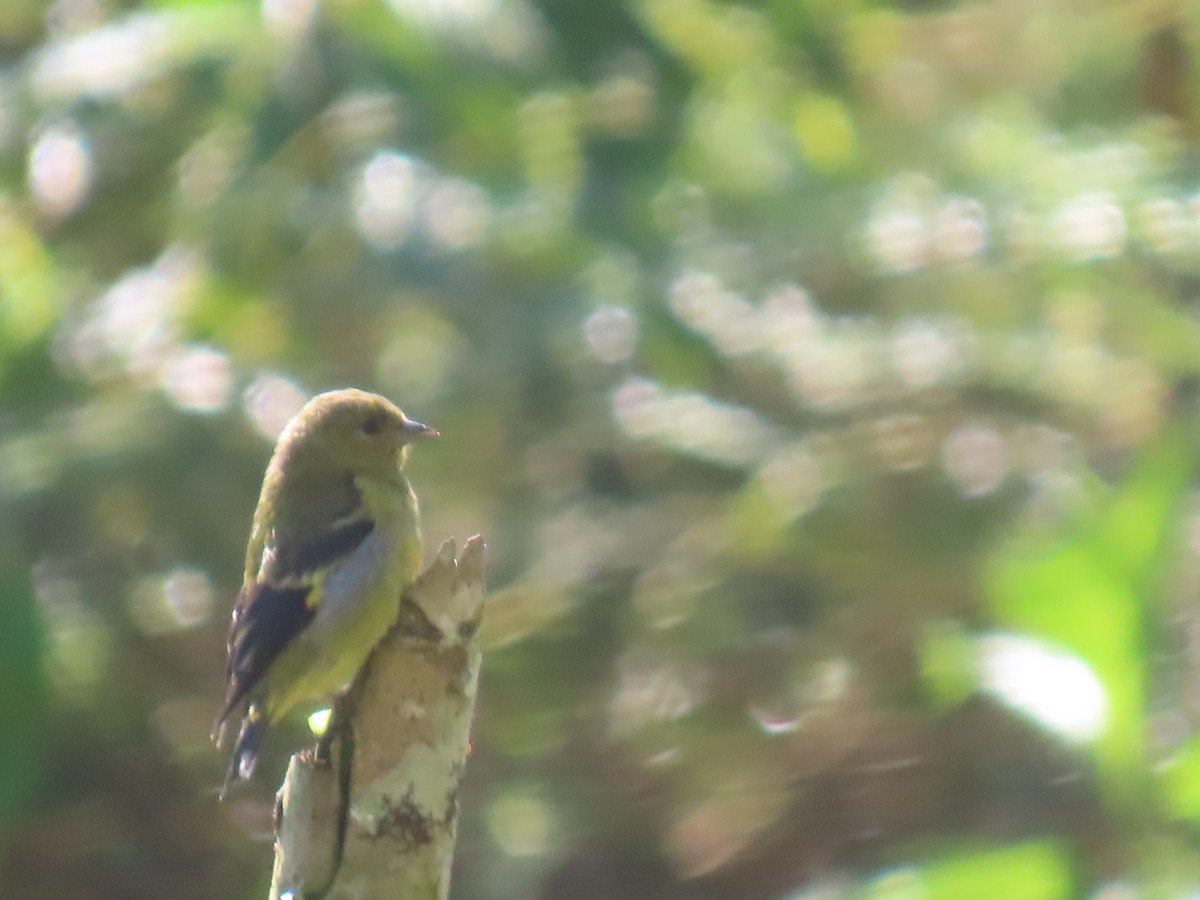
820,372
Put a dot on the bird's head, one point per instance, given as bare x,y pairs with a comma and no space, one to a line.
364,431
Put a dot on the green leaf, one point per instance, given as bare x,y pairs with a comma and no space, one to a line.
1087,590
1032,871
1179,782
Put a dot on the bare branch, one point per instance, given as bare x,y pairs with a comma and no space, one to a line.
378,817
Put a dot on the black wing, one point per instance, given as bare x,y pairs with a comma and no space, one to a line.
270,613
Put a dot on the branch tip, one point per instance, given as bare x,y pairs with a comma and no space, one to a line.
471,561
446,553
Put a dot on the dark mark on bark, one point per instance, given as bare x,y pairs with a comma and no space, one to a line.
405,824
413,623
467,630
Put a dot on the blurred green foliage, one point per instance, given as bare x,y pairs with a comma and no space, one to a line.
821,373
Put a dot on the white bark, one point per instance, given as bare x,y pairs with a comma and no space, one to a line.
378,819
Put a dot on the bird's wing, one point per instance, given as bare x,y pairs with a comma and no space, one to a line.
282,600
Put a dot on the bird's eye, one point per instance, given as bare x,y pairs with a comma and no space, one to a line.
372,425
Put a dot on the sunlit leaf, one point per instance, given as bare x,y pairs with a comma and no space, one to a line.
1033,871
1086,590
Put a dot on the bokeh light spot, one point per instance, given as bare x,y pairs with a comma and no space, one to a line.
520,823
198,379
444,13
386,197
692,423
1056,689
976,458
133,327
1166,225
926,353
418,361
60,170
207,167
81,643
1090,226
732,325
611,334
457,213
288,19
183,598
270,402
826,133
318,721
960,231
898,884
648,692
904,441
898,240
793,480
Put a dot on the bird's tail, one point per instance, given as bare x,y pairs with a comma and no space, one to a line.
245,750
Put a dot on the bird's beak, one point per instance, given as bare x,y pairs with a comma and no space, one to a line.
412,430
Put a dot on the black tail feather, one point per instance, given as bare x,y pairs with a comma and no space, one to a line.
245,750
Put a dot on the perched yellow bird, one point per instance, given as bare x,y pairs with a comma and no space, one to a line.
336,537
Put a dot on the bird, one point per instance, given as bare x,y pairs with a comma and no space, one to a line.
335,538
